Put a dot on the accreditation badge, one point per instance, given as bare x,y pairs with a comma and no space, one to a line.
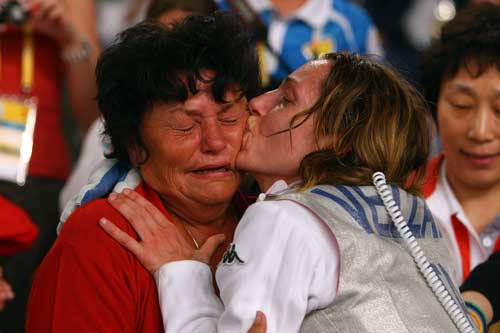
17,126
317,47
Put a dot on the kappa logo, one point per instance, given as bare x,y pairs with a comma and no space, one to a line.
231,256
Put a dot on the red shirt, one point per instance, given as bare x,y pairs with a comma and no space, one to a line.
50,157
17,231
90,283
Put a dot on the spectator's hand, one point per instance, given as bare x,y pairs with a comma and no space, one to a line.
260,323
48,17
6,293
161,241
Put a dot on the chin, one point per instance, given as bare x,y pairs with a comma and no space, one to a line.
482,179
222,191
217,198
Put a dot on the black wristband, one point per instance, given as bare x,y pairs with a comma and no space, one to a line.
484,279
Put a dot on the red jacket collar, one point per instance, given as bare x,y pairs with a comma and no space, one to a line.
432,175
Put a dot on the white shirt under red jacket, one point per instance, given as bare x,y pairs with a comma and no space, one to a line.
467,247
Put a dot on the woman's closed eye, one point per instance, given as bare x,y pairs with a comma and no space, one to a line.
462,104
284,101
185,129
463,107
229,120
182,123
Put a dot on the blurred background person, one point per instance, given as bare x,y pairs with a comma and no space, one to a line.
113,16
296,31
6,292
461,80
52,46
406,27
17,233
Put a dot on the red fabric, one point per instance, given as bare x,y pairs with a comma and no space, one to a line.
89,283
50,157
497,245
17,231
432,175
462,237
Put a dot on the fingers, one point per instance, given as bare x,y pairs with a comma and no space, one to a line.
260,323
138,217
43,9
6,293
49,17
153,252
205,253
56,13
121,237
155,213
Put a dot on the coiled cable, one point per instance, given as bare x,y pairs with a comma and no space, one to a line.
452,308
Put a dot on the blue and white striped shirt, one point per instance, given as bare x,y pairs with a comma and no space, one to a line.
318,26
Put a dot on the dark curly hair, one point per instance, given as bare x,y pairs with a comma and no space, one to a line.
471,40
148,62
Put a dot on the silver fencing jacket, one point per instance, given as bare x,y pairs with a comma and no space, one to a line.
380,287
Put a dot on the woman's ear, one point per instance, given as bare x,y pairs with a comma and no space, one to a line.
136,154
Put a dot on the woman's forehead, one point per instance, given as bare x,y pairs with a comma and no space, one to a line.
312,71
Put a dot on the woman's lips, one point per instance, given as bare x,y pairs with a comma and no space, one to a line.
222,169
221,172
480,160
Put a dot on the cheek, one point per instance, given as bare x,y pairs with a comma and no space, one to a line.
235,135
162,169
169,157
303,144
273,123
452,131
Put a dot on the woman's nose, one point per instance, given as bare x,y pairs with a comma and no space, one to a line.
213,140
261,105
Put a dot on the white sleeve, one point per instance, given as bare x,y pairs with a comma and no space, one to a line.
290,268
284,262
187,298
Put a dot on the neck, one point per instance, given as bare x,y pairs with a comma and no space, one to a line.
209,221
479,204
287,7
266,181
203,219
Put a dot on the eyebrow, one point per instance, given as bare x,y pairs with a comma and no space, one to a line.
225,108
289,80
461,88
175,107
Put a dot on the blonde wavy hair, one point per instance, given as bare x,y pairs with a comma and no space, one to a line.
367,119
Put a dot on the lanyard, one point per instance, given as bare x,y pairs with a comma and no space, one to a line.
462,237
27,60
463,241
